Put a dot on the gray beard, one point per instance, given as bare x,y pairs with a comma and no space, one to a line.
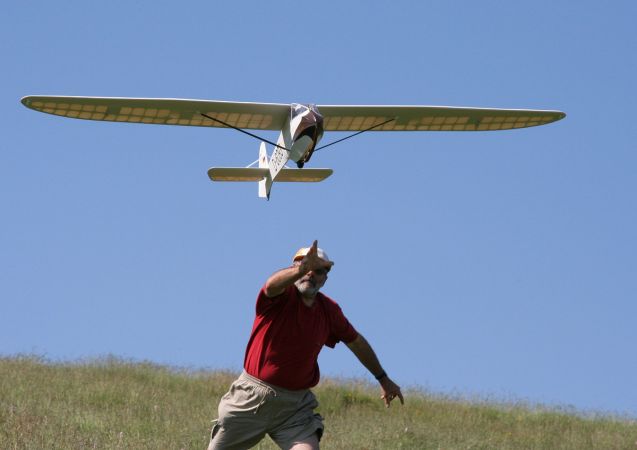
306,289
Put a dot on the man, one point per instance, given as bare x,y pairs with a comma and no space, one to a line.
272,395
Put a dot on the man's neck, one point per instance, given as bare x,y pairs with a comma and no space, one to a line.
308,301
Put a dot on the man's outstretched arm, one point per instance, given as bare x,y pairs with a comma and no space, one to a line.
365,354
281,280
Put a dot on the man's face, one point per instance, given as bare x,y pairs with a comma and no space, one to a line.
311,282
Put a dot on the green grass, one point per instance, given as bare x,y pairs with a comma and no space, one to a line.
115,404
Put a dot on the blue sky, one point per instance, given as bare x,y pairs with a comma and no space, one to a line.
495,264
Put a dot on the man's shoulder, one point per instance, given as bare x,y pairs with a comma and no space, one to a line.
267,304
329,303
289,291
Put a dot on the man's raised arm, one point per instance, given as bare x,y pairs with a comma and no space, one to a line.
281,280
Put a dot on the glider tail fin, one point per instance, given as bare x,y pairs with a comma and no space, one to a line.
266,183
263,173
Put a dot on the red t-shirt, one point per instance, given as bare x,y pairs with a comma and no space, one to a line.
287,337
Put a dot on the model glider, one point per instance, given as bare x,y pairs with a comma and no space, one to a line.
301,125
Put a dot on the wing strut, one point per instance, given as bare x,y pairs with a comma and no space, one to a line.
242,130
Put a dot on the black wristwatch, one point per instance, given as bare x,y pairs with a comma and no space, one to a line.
381,375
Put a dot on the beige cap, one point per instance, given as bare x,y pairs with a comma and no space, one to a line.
303,251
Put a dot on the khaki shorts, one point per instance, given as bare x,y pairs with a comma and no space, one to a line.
251,409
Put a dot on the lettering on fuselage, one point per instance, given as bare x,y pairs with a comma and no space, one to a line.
279,158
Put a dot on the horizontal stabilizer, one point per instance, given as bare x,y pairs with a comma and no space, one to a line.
237,173
257,174
303,175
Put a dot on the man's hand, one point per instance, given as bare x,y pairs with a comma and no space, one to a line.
390,391
311,260
365,354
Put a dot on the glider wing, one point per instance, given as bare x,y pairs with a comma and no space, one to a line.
256,116
272,116
431,118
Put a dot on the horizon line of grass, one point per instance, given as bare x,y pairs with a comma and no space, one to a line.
111,402
458,397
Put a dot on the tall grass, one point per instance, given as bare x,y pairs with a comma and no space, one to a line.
115,404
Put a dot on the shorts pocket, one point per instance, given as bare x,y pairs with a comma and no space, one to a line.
215,429
243,397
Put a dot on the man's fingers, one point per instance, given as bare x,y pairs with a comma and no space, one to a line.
314,260
389,396
312,252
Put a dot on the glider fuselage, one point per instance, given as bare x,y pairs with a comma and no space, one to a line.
298,138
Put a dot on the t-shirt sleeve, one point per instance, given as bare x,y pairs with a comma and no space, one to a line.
340,328
264,303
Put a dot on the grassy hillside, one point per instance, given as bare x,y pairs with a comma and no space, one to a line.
116,404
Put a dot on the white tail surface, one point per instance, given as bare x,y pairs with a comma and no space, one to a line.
263,173
237,173
304,175
258,174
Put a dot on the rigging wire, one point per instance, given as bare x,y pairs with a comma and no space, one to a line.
355,134
242,130
276,145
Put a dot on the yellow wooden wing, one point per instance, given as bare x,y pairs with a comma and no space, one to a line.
257,116
431,118
272,116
